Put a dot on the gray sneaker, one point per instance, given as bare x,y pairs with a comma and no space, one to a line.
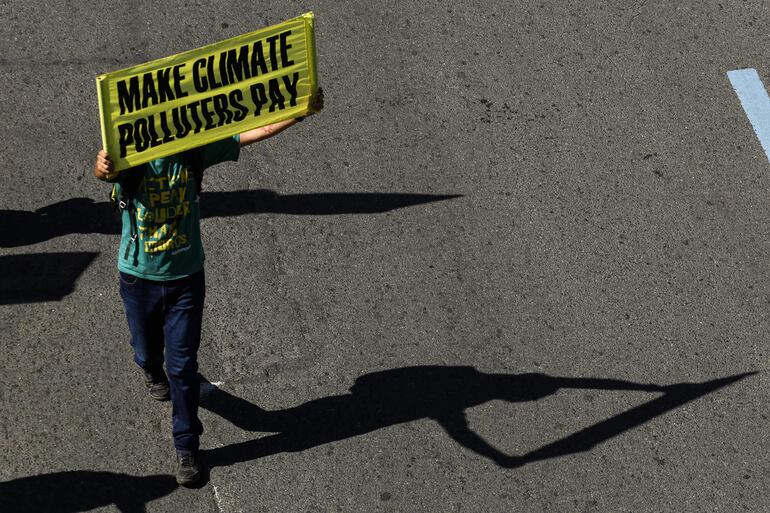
157,384
188,470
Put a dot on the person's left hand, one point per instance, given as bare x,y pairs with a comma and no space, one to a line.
317,102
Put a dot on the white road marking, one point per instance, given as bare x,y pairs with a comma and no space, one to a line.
755,102
217,499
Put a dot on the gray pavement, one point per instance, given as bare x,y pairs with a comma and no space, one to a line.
610,221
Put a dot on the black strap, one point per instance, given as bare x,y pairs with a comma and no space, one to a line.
128,190
134,235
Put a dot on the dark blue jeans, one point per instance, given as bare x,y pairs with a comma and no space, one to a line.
164,318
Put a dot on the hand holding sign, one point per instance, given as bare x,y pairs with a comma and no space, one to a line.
317,102
103,168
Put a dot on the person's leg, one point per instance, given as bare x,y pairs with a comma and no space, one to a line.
143,303
182,330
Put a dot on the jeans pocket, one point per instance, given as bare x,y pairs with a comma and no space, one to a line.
127,279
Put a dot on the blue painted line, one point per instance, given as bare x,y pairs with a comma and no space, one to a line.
755,102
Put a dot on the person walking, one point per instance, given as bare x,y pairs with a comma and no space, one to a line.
161,273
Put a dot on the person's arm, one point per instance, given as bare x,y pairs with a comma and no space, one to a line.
456,426
264,132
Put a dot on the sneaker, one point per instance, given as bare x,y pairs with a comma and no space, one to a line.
157,383
188,470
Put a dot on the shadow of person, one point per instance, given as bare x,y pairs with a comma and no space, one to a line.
74,215
82,490
37,277
83,215
441,393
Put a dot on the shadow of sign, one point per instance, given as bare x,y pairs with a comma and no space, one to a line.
40,277
84,215
227,204
81,490
396,396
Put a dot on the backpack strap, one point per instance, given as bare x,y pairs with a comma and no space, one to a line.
128,190
134,235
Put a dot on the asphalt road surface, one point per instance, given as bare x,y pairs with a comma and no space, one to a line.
520,262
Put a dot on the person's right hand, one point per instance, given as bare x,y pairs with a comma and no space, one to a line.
103,168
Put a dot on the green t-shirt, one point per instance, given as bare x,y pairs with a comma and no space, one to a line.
168,217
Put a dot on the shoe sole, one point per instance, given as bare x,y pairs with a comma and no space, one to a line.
188,482
159,394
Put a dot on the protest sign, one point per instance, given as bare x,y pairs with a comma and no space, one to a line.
168,105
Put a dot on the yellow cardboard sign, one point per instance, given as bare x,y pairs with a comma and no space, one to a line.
168,105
